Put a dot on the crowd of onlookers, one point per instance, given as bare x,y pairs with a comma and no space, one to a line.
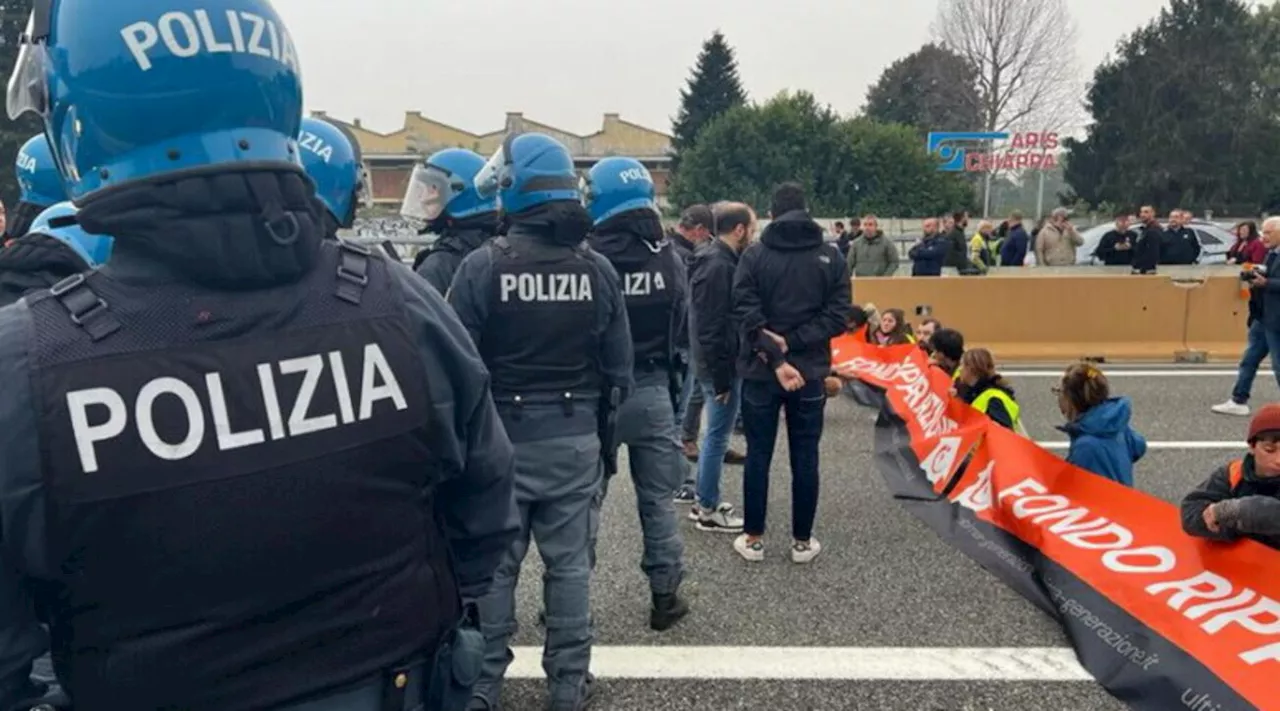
1141,243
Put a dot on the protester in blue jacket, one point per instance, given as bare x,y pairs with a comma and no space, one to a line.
1102,440
1013,252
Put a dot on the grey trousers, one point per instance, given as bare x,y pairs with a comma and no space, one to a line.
647,426
557,483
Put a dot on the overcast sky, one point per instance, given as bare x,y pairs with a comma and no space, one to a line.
566,62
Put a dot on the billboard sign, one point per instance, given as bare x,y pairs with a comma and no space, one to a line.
985,151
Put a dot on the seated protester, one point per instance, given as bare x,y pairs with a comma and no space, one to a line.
1242,498
948,350
891,330
1102,440
860,317
987,391
924,334
54,249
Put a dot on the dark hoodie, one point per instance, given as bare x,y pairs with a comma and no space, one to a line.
35,262
458,238
795,285
1251,509
633,242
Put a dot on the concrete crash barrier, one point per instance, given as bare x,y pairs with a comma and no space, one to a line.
1192,315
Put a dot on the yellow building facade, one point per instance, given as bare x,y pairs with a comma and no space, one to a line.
390,157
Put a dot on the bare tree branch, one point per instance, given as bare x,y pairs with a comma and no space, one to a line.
1025,55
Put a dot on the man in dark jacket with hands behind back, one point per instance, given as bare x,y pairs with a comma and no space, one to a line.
790,297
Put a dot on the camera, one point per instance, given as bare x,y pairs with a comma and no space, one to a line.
1253,272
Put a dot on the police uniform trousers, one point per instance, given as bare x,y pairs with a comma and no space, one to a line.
557,481
646,424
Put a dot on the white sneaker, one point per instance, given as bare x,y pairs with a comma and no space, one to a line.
753,551
721,520
805,551
1231,407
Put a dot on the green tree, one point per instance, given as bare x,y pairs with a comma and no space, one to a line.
13,20
846,166
1183,114
931,89
713,89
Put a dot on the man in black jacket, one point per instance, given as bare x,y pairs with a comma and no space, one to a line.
715,345
1115,249
791,297
1178,244
1146,252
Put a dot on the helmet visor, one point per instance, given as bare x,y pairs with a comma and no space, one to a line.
489,179
27,88
430,190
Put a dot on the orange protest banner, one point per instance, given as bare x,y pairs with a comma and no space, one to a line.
1161,619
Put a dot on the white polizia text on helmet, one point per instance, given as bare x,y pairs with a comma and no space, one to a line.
316,145
187,35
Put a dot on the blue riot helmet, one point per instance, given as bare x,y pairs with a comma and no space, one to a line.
331,156
132,90
617,185
444,184
59,222
530,169
38,177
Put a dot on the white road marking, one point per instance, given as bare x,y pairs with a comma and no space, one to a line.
1120,373
1210,444
833,663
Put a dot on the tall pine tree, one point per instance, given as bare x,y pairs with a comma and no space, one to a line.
713,89
13,20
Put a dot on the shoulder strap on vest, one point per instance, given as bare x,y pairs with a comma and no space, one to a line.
1235,473
502,244
353,271
86,309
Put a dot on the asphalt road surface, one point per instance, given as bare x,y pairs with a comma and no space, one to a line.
888,617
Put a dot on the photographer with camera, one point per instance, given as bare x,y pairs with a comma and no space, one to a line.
1263,281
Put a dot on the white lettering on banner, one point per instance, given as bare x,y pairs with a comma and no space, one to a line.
977,497
545,287
1261,617
186,35
26,163
633,174
316,145
942,460
377,382
642,283
927,407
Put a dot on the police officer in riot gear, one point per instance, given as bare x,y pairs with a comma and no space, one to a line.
331,157
619,195
39,184
241,466
442,194
547,313
54,249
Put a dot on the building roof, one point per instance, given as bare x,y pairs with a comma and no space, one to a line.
421,135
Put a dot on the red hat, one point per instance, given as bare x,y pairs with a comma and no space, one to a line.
1267,420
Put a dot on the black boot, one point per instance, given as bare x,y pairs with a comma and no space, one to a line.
667,610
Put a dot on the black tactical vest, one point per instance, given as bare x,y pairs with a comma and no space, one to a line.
648,277
238,488
541,337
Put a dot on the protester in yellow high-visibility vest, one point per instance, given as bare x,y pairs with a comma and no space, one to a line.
987,391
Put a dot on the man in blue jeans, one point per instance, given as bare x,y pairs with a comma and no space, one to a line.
714,344
791,296
1264,325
